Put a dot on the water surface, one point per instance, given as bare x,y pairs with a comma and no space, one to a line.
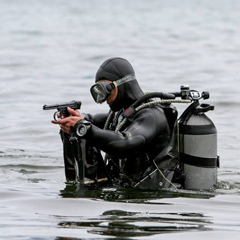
50,51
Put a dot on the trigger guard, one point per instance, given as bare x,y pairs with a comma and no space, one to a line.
55,116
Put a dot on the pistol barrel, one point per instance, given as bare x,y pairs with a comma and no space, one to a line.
73,104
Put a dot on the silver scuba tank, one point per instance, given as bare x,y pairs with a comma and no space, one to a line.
198,147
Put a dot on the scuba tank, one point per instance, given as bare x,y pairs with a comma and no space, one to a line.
197,143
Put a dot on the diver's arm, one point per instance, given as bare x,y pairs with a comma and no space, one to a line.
146,125
97,119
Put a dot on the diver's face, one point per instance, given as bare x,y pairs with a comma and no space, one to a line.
113,94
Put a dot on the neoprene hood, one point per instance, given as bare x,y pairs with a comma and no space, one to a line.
116,68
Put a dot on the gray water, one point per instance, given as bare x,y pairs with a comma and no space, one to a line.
49,53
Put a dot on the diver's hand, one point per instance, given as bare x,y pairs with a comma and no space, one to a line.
71,112
68,122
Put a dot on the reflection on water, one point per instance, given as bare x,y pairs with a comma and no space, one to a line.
129,195
137,224
122,223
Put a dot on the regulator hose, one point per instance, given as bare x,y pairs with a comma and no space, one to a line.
153,95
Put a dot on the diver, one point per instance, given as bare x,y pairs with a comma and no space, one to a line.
139,152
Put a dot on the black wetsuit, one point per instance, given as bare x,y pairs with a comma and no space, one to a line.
131,150
138,142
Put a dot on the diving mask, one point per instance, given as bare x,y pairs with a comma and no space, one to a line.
102,90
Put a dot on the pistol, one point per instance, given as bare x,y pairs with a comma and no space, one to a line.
62,108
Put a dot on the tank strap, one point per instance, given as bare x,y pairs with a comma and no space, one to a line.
199,161
198,129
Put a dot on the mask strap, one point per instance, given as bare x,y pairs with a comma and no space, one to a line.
123,80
